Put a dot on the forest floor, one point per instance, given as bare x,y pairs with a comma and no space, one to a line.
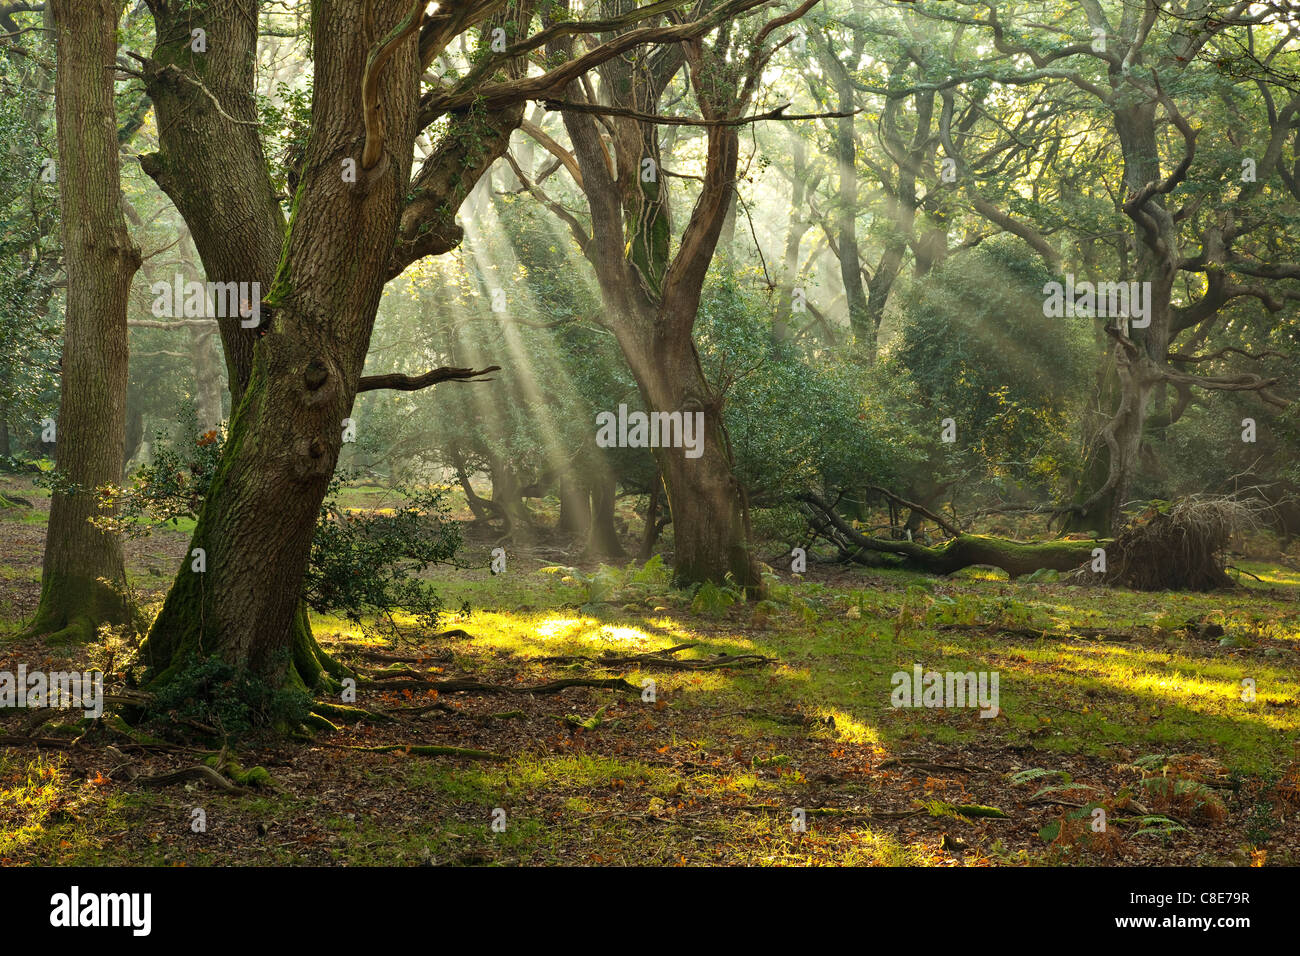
770,739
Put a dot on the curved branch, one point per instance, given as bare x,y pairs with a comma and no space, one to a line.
413,383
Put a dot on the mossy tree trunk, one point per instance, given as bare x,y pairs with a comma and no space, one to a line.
83,577
256,525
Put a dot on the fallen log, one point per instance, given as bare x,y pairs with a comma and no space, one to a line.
965,550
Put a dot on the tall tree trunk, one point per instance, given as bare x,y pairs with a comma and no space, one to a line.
257,522
214,169
83,576
207,380
134,434
508,502
784,321
707,504
1138,354
650,533
652,297
210,163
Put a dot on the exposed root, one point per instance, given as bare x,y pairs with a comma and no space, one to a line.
468,684
198,772
1181,548
346,714
424,750
666,660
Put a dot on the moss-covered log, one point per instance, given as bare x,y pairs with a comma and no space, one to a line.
962,551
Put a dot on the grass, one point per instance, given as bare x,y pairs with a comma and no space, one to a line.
715,766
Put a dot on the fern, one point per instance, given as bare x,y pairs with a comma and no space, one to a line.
1033,773
1064,787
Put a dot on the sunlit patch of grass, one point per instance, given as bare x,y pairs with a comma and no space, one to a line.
48,819
850,729
1270,575
1088,699
27,516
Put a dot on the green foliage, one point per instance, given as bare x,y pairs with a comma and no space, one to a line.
975,347
31,316
793,421
174,483
714,600
214,693
286,126
366,565
609,584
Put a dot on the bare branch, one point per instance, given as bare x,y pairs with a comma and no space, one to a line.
409,383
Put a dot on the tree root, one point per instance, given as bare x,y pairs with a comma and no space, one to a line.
198,772
920,763
346,714
665,660
398,712
468,684
424,750
314,721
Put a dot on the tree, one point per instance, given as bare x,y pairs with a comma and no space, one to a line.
83,577
652,295
1192,256
359,217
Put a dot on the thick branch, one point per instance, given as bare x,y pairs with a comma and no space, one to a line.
408,383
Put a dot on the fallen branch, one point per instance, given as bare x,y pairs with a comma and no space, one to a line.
1015,557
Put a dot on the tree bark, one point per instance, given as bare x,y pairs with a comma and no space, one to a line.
83,577
212,167
575,509
257,521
